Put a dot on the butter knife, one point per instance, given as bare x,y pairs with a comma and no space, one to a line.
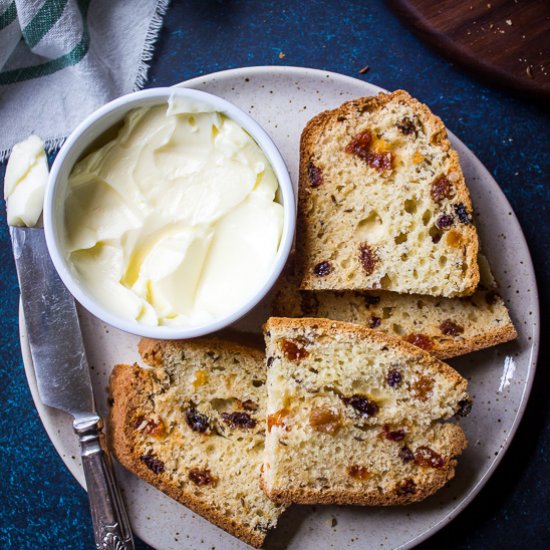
63,379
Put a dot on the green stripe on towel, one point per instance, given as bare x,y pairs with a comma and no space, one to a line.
72,58
9,15
46,17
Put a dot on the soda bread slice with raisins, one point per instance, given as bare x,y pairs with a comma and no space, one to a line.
446,327
194,427
382,202
356,416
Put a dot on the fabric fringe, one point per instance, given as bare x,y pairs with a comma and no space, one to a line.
149,45
52,145
4,154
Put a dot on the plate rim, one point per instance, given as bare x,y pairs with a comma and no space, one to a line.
76,470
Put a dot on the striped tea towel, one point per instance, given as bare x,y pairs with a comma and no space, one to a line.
62,59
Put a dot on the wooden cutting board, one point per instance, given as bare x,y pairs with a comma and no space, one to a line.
506,42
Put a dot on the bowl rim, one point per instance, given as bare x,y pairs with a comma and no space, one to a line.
119,108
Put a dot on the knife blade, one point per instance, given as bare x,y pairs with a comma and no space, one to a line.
53,328
63,378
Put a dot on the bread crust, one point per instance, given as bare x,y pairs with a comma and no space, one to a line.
310,137
491,338
129,387
152,351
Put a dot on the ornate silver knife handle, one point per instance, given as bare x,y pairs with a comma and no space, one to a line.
111,525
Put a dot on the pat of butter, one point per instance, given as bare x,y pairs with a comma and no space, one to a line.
25,182
175,221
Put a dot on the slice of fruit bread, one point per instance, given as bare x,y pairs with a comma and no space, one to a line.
446,327
356,416
194,427
383,203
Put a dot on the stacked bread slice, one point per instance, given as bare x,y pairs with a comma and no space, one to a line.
446,327
356,416
383,203
193,426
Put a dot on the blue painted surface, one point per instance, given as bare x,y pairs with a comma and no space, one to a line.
42,505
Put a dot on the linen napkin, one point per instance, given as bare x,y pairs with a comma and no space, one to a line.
62,59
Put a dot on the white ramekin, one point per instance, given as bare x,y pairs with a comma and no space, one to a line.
78,142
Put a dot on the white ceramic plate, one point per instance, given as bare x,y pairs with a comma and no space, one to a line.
282,100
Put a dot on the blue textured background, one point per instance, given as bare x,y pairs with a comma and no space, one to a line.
43,507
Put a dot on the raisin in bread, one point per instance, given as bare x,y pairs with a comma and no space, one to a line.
194,427
356,416
383,203
446,327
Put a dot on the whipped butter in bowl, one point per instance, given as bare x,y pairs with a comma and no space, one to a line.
172,220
